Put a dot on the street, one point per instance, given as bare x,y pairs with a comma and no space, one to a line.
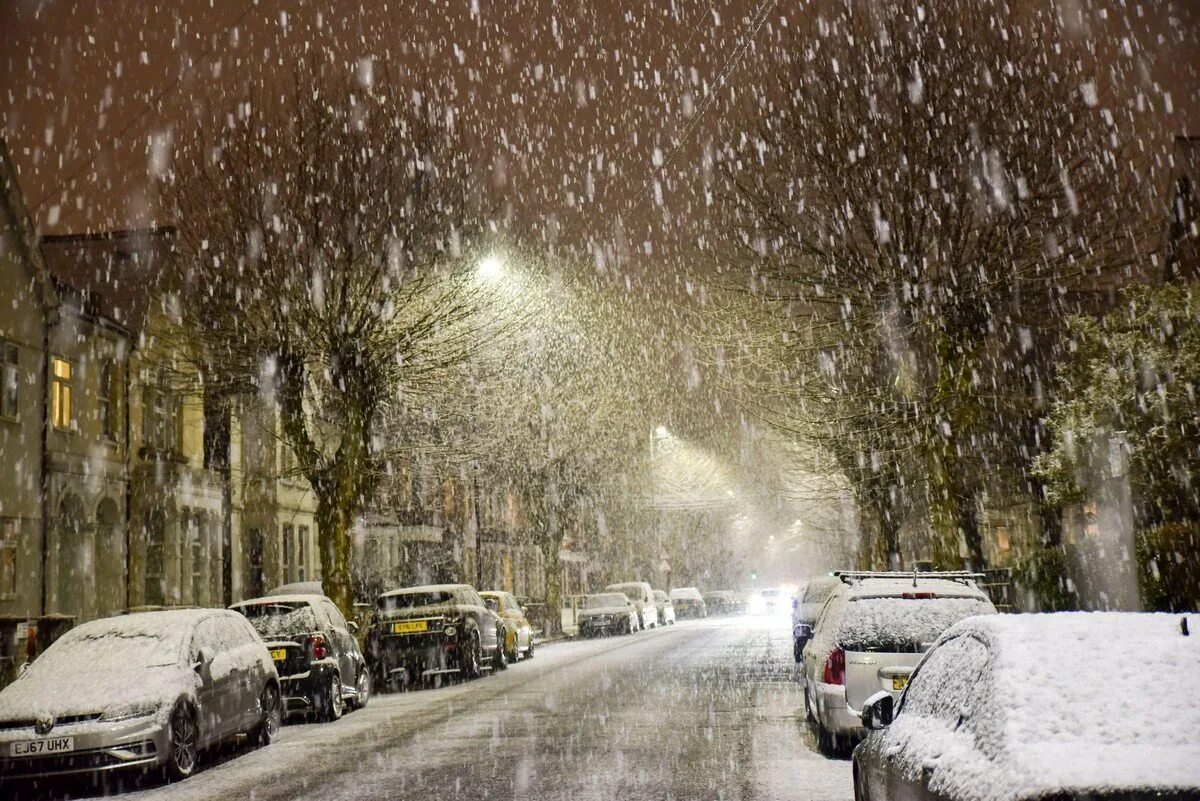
703,709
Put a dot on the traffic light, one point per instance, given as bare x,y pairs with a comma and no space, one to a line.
754,575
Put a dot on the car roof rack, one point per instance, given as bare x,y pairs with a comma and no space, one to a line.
964,577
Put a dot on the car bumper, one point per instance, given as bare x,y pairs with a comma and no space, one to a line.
300,690
98,748
587,626
419,654
835,715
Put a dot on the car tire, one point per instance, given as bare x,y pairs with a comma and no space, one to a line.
183,739
362,687
514,655
500,660
331,705
472,666
797,651
272,716
529,650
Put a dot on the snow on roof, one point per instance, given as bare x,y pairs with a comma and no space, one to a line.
897,587
299,588
1073,701
427,588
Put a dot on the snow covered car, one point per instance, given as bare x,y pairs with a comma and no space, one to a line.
871,632
1024,707
421,632
321,669
147,690
642,595
809,600
518,635
607,613
664,607
688,602
724,602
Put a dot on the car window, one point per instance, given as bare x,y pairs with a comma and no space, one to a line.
470,597
943,684
207,634
335,616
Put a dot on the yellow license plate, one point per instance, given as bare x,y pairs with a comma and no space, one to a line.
279,654
410,627
899,683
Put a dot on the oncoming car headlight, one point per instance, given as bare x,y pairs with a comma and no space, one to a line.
137,709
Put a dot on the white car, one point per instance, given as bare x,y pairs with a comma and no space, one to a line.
688,602
146,690
1067,705
870,634
808,601
642,595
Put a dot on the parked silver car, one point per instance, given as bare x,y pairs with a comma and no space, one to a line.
870,634
146,690
1070,706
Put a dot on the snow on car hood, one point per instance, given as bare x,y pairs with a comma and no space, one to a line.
87,693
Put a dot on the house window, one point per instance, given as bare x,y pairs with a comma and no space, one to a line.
106,400
287,460
302,553
1003,542
61,374
161,416
288,533
9,528
197,542
10,374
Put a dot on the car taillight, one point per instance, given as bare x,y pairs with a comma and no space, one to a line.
316,645
835,667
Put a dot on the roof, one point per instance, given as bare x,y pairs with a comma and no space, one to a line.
152,622
427,588
13,202
118,275
898,588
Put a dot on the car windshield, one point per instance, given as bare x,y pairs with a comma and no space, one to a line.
605,600
413,600
280,619
903,625
113,644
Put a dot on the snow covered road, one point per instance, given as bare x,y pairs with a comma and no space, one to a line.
700,710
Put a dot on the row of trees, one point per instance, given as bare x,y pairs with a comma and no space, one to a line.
926,198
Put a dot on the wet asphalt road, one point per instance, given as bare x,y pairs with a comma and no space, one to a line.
700,710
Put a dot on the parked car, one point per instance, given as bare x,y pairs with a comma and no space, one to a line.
147,690
607,613
1067,705
518,635
724,602
688,602
421,632
870,634
321,669
664,608
808,601
642,596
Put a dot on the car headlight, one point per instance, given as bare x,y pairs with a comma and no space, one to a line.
137,709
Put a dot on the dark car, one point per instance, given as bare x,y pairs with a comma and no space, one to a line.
422,632
142,691
321,669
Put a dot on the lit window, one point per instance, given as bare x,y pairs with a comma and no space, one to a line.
10,375
61,413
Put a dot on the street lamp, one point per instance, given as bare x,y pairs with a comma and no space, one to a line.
490,268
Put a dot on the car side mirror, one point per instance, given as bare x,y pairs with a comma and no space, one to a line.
204,658
353,626
23,670
878,711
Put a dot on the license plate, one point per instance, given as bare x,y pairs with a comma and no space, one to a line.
410,627
279,654
899,683
55,745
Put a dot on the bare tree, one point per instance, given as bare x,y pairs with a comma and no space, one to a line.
325,243
917,200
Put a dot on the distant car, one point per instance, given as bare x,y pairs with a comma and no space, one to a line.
870,634
724,602
809,600
607,613
688,602
664,607
422,632
321,669
769,601
1020,707
518,635
144,690
642,595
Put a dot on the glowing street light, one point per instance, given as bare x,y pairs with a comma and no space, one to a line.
661,432
490,268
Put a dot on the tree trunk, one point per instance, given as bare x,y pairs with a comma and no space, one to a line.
333,537
968,525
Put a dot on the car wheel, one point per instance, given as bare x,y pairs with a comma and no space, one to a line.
797,651
183,739
500,660
472,666
515,654
332,705
529,650
362,688
272,716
